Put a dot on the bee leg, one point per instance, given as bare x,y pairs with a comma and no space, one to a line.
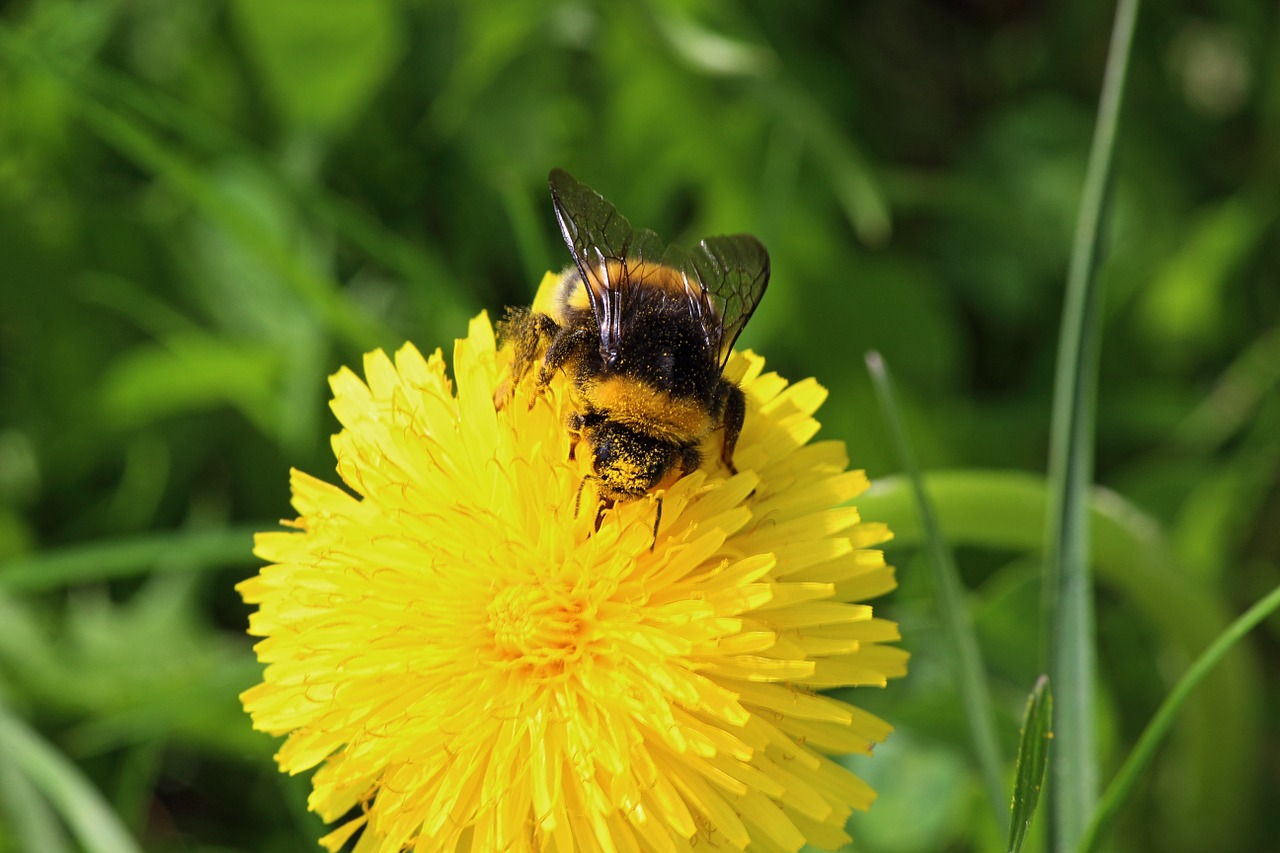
690,459
574,423
657,519
735,412
601,505
526,331
600,508
566,345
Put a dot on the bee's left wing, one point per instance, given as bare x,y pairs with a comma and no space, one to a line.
733,272
597,234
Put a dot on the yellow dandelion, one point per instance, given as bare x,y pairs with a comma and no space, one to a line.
474,665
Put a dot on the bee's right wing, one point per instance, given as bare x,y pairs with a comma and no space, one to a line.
597,234
734,272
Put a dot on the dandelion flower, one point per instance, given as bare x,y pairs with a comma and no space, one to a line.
474,663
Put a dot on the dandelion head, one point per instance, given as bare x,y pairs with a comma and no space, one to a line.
471,656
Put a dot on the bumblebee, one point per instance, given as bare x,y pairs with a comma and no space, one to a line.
643,331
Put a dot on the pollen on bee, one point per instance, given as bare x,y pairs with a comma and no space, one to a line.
634,403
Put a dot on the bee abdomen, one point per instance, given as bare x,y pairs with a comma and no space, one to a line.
642,407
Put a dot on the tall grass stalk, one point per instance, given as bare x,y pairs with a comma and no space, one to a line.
971,675
1117,793
1069,583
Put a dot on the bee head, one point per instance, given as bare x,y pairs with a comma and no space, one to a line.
628,463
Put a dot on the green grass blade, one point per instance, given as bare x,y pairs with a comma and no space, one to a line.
31,821
417,263
854,183
104,560
975,692
91,820
347,319
1069,587
1218,733
1033,759
1122,785
135,141
1249,381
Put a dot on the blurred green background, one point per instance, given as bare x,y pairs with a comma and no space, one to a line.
208,207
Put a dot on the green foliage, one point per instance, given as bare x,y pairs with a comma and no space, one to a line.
1032,763
1069,610
971,674
1118,792
206,208
94,824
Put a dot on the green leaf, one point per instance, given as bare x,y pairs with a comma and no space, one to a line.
321,60
1117,793
30,819
1182,310
192,181
420,264
1219,730
187,551
853,181
1033,759
971,674
91,820
1248,382
116,668
925,797
1069,582
190,374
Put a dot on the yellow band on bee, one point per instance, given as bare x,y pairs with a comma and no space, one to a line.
544,302
572,294
632,402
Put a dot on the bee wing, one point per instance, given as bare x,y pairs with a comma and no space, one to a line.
698,298
596,233
733,272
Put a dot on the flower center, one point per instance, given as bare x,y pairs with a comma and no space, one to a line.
539,624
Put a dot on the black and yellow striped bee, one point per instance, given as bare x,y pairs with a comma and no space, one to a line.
643,331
